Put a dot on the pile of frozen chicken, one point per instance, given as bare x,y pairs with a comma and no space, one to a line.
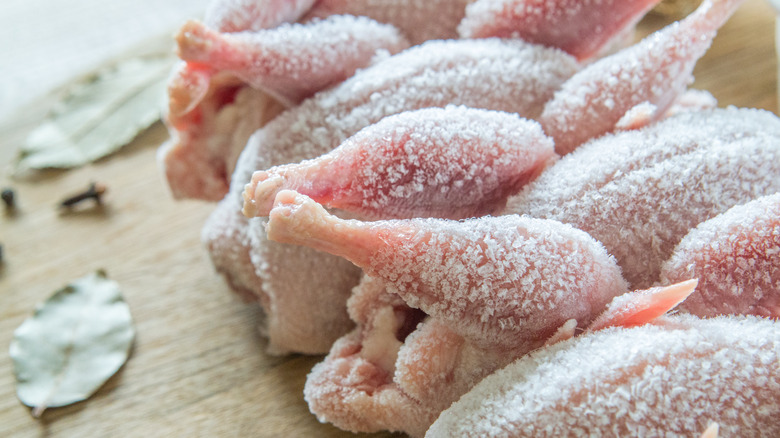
483,210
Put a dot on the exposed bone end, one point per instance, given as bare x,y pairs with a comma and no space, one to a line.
711,431
639,307
195,41
187,88
637,117
297,219
294,218
566,331
260,193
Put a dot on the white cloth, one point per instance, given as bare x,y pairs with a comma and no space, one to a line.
46,43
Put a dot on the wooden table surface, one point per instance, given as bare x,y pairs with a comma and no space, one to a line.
198,366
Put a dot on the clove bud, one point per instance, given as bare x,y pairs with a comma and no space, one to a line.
9,199
95,191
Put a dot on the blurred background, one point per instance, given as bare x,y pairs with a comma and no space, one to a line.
45,43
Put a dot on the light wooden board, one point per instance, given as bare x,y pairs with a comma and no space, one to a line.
198,367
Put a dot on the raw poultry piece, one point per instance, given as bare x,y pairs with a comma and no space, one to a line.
418,20
240,15
670,378
506,281
287,62
510,76
639,192
455,162
736,256
653,72
291,61
636,308
582,28
207,137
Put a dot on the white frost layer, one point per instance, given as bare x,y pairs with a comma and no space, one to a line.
653,380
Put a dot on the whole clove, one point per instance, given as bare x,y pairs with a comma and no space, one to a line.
9,199
95,191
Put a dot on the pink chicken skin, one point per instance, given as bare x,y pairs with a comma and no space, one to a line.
653,72
736,256
640,192
582,28
475,73
241,15
675,377
455,162
291,61
418,20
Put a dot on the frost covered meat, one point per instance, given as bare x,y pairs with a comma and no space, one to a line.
653,72
455,162
581,28
286,62
736,257
240,15
674,377
506,280
495,287
291,61
418,20
639,192
473,73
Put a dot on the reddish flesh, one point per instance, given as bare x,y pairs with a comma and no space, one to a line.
579,27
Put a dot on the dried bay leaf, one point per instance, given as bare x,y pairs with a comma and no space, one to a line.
72,344
99,114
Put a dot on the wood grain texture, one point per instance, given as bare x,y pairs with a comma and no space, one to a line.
198,367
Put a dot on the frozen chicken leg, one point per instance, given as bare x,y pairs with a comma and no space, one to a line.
654,72
509,281
291,61
455,162
510,76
